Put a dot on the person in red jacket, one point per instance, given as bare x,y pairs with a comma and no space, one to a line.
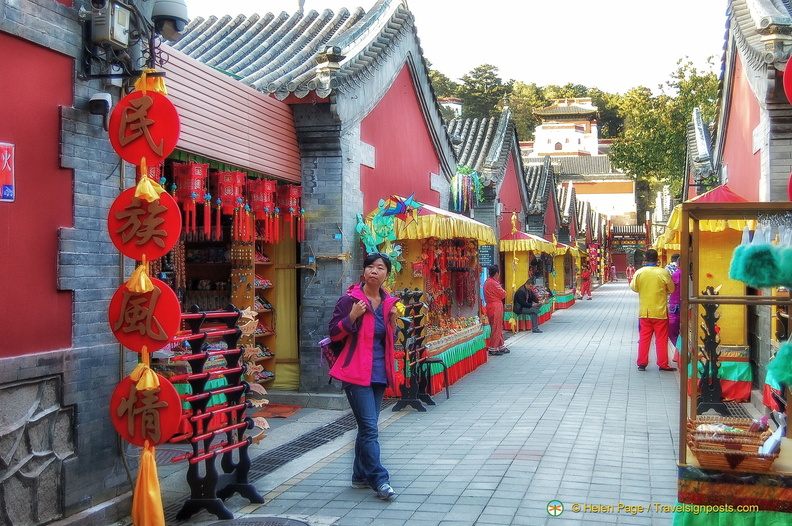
494,295
365,319
585,283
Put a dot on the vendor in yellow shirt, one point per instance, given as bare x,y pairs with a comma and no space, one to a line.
653,285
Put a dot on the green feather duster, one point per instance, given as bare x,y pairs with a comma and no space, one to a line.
781,365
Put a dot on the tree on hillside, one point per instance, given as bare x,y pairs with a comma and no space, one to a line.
482,92
652,147
523,99
443,86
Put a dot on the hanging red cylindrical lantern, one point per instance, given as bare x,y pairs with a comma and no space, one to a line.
261,197
229,190
289,204
191,190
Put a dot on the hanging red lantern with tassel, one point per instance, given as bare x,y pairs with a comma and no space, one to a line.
230,195
261,197
289,204
191,190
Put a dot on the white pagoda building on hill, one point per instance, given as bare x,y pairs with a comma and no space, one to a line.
569,135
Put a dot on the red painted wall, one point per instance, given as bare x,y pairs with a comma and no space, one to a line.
743,165
34,316
509,195
405,154
551,220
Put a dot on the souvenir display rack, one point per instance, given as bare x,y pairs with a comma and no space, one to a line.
412,378
208,491
734,474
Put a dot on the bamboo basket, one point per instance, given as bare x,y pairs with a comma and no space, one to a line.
729,450
730,459
740,423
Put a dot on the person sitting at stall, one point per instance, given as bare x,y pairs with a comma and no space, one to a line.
527,301
494,295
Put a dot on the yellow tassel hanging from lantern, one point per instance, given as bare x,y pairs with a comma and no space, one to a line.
140,281
148,82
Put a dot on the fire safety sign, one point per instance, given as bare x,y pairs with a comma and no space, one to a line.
7,189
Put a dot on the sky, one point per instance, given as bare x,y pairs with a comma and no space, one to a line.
613,45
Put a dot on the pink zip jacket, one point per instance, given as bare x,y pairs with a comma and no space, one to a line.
356,360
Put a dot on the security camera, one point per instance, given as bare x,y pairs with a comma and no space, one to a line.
99,104
169,18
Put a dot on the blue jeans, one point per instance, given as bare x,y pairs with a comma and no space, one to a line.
366,403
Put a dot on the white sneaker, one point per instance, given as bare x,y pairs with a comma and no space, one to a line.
385,492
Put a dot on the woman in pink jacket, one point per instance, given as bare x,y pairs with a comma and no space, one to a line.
365,318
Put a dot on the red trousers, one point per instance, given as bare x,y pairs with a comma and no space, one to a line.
585,288
646,328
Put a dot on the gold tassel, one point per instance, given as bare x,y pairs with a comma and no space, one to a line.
139,281
144,377
145,82
147,502
147,188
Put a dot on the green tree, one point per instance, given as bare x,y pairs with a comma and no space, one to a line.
523,99
442,85
482,92
652,147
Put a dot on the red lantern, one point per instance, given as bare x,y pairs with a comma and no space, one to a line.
139,228
145,319
144,125
229,187
190,181
289,204
152,415
261,194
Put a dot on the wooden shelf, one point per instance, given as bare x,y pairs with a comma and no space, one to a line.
261,335
264,263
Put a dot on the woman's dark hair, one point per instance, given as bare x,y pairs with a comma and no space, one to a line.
374,256
491,271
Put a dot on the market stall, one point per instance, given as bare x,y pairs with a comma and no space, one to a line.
726,460
718,239
436,269
563,281
526,256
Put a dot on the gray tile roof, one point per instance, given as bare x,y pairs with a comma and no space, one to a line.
584,165
484,145
300,53
565,111
760,29
699,147
540,180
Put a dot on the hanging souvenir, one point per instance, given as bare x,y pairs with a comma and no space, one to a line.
289,205
229,189
261,197
191,189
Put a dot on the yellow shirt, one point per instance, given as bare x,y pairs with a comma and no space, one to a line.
653,285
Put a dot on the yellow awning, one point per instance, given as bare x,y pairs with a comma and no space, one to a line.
429,221
526,243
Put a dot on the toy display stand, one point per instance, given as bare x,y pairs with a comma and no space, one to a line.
727,471
210,489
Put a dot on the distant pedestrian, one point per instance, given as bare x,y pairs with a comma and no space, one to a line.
653,285
585,283
527,301
494,294
613,273
630,273
365,319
